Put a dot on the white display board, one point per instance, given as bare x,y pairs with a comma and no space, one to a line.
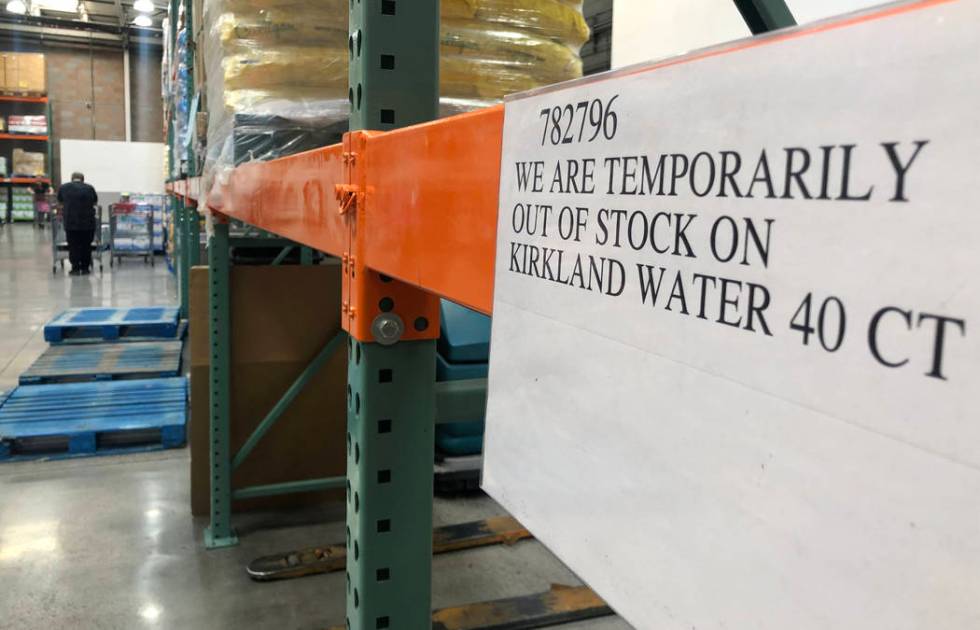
655,29
119,167
735,360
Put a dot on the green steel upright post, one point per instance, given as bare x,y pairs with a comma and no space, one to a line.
193,219
762,16
389,474
50,143
394,80
183,253
219,533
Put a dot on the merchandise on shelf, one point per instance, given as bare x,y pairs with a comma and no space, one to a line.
22,72
3,166
130,216
28,163
182,98
277,69
27,124
176,92
165,91
130,231
21,204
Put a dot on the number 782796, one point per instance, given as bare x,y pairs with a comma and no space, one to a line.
585,121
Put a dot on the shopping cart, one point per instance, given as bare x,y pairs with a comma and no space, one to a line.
59,240
131,232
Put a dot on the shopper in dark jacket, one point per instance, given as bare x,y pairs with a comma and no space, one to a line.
78,201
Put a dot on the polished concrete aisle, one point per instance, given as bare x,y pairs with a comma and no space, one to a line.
30,294
109,543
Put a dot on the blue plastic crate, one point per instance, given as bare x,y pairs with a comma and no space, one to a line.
464,334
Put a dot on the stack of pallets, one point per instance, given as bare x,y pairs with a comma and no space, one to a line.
109,383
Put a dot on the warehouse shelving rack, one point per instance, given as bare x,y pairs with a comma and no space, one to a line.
379,202
8,182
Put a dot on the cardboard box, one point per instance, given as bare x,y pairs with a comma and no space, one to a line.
28,163
281,318
24,72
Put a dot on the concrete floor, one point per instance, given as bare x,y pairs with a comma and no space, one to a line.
108,542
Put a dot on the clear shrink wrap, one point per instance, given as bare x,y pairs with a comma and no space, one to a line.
277,69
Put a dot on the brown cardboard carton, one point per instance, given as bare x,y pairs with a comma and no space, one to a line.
28,163
24,72
281,318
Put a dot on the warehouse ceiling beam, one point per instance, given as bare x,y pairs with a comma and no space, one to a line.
66,31
120,12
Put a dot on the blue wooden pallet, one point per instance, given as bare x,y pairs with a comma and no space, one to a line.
159,322
129,338
105,362
64,420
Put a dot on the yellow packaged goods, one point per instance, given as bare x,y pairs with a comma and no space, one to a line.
551,19
271,99
277,27
28,163
284,63
287,65
489,64
24,72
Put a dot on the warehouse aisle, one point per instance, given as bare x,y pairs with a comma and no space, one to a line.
109,543
30,294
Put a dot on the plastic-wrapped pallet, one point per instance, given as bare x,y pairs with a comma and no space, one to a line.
492,48
28,163
277,77
277,69
182,97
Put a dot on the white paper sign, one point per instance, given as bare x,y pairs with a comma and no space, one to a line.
735,367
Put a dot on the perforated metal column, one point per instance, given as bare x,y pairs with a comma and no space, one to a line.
394,63
219,533
391,403
182,251
193,219
394,79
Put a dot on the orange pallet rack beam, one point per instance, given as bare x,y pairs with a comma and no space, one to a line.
418,205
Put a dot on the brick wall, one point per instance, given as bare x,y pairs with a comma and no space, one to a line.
87,96
87,93
147,109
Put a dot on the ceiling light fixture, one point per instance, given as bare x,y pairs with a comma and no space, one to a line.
144,6
143,21
17,6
